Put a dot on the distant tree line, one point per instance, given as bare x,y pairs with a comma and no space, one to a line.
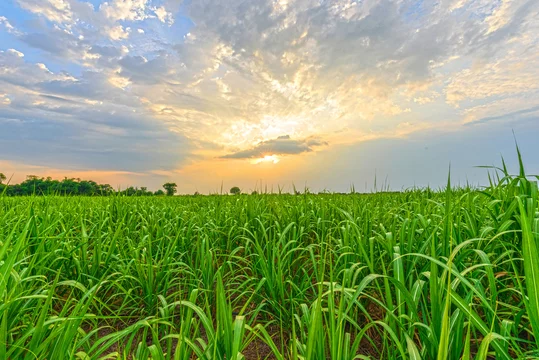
73,186
34,185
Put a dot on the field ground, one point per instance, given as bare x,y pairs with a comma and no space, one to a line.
414,275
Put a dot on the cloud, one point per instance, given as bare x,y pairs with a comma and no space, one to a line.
102,137
218,76
118,32
80,122
16,52
299,61
16,72
283,145
4,99
305,62
107,51
508,116
132,10
5,22
163,15
139,69
53,10
509,75
59,43
74,16
506,13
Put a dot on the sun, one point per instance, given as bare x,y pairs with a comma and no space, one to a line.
266,159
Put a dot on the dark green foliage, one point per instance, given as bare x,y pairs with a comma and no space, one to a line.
34,185
170,188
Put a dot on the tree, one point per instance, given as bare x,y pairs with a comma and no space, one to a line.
159,193
170,188
130,191
105,189
87,187
2,178
235,190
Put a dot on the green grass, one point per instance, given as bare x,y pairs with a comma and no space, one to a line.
449,274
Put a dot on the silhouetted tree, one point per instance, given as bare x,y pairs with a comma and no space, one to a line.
159,193
2,178
235,190
170,188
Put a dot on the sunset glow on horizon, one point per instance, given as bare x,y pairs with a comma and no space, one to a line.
267,159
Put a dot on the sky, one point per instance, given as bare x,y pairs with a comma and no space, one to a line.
268,94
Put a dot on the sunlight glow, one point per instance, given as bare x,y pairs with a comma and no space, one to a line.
266,159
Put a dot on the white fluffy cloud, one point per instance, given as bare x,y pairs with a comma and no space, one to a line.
132,10
5,22
163,15
54,10
76,15
118,33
